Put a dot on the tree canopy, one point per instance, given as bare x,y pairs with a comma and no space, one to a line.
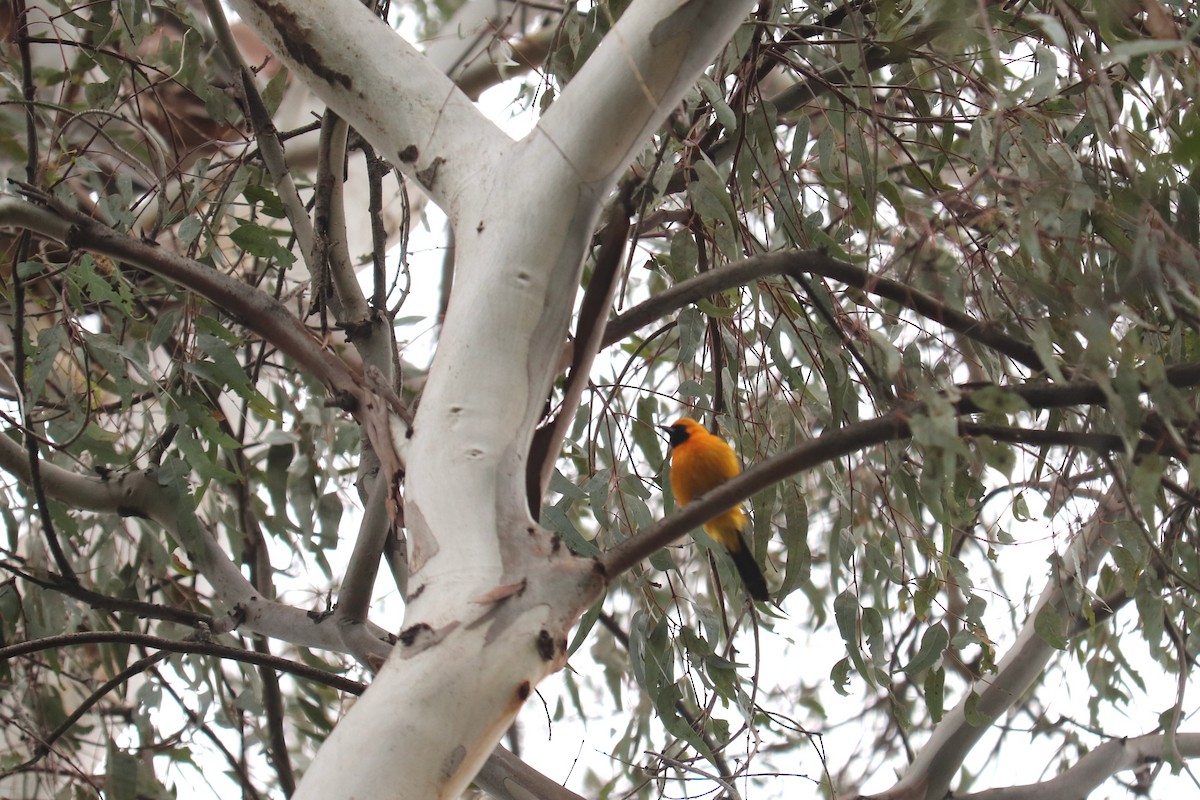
931,268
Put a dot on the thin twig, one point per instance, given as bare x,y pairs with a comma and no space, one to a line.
18,325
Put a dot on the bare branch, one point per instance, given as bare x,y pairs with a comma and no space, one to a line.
593,310
1095,442
336,267
1100,764
840,442
506,777
183,646
124,605
359,578
273,707
818,262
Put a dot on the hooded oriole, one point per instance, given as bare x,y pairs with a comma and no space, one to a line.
700,462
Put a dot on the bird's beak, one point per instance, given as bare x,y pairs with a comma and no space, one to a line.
668,435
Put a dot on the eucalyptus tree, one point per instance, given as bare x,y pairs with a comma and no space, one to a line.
930,267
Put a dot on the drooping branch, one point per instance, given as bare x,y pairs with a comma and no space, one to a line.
138,494
47,740
115,605
939,760
715,753
198,646
875,56
818,262
19,373
370,402
256,309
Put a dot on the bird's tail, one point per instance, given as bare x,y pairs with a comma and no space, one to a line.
747,567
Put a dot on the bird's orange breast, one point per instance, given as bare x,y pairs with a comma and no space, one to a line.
699,465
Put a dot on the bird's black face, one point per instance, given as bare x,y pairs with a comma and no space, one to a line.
677,433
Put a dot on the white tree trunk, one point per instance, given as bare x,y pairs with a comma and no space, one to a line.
492,595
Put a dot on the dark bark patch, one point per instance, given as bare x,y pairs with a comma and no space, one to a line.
294,38
545,645
409,635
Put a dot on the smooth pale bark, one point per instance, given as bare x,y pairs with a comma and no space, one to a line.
407,108
492,595
1090,772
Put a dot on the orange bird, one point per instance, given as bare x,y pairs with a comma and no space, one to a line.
699,463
